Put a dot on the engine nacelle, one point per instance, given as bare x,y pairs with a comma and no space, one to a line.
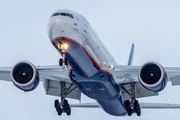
25,76
153,76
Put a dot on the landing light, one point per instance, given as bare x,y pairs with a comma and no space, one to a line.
63,45
66,46
111,66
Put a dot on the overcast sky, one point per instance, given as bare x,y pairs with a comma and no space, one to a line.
153,26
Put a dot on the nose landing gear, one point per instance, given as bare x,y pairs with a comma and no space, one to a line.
65,61
63,46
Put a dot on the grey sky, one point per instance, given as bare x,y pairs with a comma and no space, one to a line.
152,25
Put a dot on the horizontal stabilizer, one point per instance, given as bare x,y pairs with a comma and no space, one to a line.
143,105
86,105
159,106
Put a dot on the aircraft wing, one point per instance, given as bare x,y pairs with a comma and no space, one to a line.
5,73
142,105
55,81
126,75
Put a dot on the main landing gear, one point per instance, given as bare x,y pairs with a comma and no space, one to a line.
62,107
132,106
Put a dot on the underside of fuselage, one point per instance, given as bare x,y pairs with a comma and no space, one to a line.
91,80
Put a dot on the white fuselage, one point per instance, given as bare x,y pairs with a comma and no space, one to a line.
90,61
80,30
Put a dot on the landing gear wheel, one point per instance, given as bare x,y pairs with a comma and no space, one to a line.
137,108
61,62
68,111
59,112
63,107
58,108
66,108
56,103
66,62
128,107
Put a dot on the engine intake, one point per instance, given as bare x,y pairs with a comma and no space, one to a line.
152,76
25,76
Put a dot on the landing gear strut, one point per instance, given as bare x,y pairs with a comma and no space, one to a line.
63,60
132,106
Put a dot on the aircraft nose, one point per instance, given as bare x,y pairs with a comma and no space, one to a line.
58,29
55,25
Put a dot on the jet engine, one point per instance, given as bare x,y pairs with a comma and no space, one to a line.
152,76
25,76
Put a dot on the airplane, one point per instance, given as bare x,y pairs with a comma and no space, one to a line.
87,67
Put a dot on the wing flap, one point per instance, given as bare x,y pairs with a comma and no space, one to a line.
60,88
140,91
57,83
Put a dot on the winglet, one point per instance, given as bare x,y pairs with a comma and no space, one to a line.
131,56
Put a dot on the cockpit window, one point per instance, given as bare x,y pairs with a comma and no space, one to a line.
70,15
63,14
55,14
